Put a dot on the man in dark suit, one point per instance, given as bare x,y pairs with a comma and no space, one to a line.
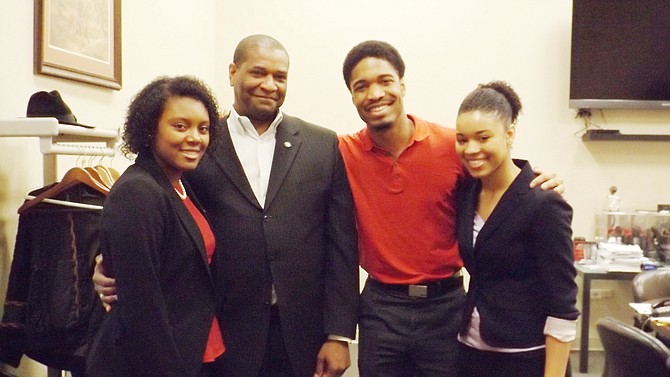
276,192
283,217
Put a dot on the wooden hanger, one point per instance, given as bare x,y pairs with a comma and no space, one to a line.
96,175
105,175
71,178
114,173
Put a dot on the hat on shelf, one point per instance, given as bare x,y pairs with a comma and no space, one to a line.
50,104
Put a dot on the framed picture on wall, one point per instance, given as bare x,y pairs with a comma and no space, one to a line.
79,40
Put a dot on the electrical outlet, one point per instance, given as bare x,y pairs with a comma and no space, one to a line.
597,294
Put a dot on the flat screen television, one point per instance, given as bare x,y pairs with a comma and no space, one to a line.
620,54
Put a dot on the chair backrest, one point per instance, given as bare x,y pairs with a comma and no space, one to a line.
649,285
630,351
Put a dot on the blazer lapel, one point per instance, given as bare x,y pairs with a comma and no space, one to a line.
286,148
467,213
191,228
508,203
183,214
225,157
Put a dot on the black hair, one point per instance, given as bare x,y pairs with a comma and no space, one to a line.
255,41
496,97
147,106
372,49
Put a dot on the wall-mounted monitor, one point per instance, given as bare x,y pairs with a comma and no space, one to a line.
620,54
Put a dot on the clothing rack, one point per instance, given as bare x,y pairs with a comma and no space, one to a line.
57,139
60,139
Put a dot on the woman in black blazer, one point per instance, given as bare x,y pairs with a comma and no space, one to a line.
157,243
520,313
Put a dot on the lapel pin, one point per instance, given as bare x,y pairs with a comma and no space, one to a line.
287,144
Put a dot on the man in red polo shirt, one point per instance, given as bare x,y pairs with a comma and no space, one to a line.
403,173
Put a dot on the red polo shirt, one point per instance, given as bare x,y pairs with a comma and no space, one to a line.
405,207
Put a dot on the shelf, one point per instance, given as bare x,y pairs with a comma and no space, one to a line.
22,127
61,139
55,136
616,135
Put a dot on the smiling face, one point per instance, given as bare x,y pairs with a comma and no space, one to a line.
483,142
377,92
260,83
182,135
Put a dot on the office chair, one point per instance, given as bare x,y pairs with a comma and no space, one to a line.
651,285
631,352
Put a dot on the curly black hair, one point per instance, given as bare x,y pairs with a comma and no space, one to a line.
496,97
147,106
372,49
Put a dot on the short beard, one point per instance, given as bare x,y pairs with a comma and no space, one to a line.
382,127
262,116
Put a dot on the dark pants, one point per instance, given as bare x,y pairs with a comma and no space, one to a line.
403,336
210,369
476,363
275,361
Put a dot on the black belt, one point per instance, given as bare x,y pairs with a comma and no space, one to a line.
425,289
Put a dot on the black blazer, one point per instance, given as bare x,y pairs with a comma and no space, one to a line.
303,240
522,264
153,247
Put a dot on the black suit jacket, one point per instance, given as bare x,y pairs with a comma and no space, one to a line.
303,240
154,249
522,264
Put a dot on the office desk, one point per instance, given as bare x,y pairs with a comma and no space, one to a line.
588,275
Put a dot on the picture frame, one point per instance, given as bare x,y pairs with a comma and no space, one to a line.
79,40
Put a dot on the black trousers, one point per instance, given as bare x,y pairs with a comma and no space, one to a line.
405,336
275,361
209,370
476,363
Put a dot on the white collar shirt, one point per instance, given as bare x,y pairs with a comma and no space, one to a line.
254,151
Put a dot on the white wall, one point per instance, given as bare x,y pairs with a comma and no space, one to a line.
448,47
163,37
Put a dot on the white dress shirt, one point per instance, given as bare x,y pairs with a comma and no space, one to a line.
254,151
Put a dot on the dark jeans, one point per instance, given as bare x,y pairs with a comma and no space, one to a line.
403,336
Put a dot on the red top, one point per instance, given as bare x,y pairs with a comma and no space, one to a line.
215,346
405,207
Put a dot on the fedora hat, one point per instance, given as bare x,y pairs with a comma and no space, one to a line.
50,104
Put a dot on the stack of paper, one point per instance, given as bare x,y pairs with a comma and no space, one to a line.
619,257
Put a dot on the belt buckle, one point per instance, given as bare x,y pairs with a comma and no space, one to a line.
416,290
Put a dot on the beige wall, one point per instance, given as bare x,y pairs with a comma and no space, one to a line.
448,47
159,37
